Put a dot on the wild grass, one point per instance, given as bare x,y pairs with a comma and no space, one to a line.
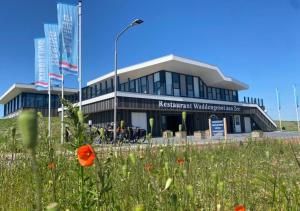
262,175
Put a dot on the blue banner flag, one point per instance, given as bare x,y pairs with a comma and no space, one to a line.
53,55
68,28
41,66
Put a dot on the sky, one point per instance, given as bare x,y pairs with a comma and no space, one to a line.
256,42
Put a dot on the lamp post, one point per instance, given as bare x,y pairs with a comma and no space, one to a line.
90,123
133,23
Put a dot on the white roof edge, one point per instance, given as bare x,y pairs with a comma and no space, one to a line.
133,67
197,63
7,92
31,86
164,59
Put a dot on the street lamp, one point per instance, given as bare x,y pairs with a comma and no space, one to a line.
133,23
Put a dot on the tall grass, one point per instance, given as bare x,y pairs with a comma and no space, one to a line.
262,175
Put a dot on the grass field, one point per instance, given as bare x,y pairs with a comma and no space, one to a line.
288,125
261,175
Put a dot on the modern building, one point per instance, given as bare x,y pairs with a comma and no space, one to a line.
25,96
162,89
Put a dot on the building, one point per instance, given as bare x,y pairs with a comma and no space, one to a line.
162,88
25,96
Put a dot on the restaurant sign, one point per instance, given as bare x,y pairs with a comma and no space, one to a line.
198,106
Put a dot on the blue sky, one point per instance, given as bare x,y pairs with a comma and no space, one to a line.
257,41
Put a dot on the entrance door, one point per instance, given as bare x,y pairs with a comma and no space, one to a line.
172,122
139,119
247,122
237,123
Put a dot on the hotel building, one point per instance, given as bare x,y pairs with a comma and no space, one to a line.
162,89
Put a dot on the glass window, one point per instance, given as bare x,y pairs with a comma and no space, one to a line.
214,93
230,95
39,101
209,92
132,86
144,85
122,87
190,86
176,84
169,83
29,100
234,96
109,86
196,87
218,94
226,95
183,85
126,87
150,84
157,83
137,85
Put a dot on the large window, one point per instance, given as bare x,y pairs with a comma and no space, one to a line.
190,86
157,83
196,87
144,85
169,89
137,85
150,84
176,84
183,85
209,92
132,86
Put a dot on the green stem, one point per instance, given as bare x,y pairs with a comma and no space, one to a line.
81,188
37,179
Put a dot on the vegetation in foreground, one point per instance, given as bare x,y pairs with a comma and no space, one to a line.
260,175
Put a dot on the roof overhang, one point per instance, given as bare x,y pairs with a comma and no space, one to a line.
16,89
210,74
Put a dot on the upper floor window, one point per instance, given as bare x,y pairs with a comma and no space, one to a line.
176,84
144,85
190,86
169,89
150,84
183,85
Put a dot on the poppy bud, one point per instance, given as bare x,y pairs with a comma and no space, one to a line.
151,122
122,124
139,207
168,183
184,116
52,207
28,125
80,116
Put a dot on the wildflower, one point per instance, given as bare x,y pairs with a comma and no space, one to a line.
180,161
86,155
148,167
51,165
239,207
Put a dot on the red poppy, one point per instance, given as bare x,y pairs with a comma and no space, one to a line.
148,167
240,207
86,155
51,165
180,161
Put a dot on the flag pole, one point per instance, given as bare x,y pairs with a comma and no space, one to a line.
278,105
79,53
296,105
62,109
49,108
